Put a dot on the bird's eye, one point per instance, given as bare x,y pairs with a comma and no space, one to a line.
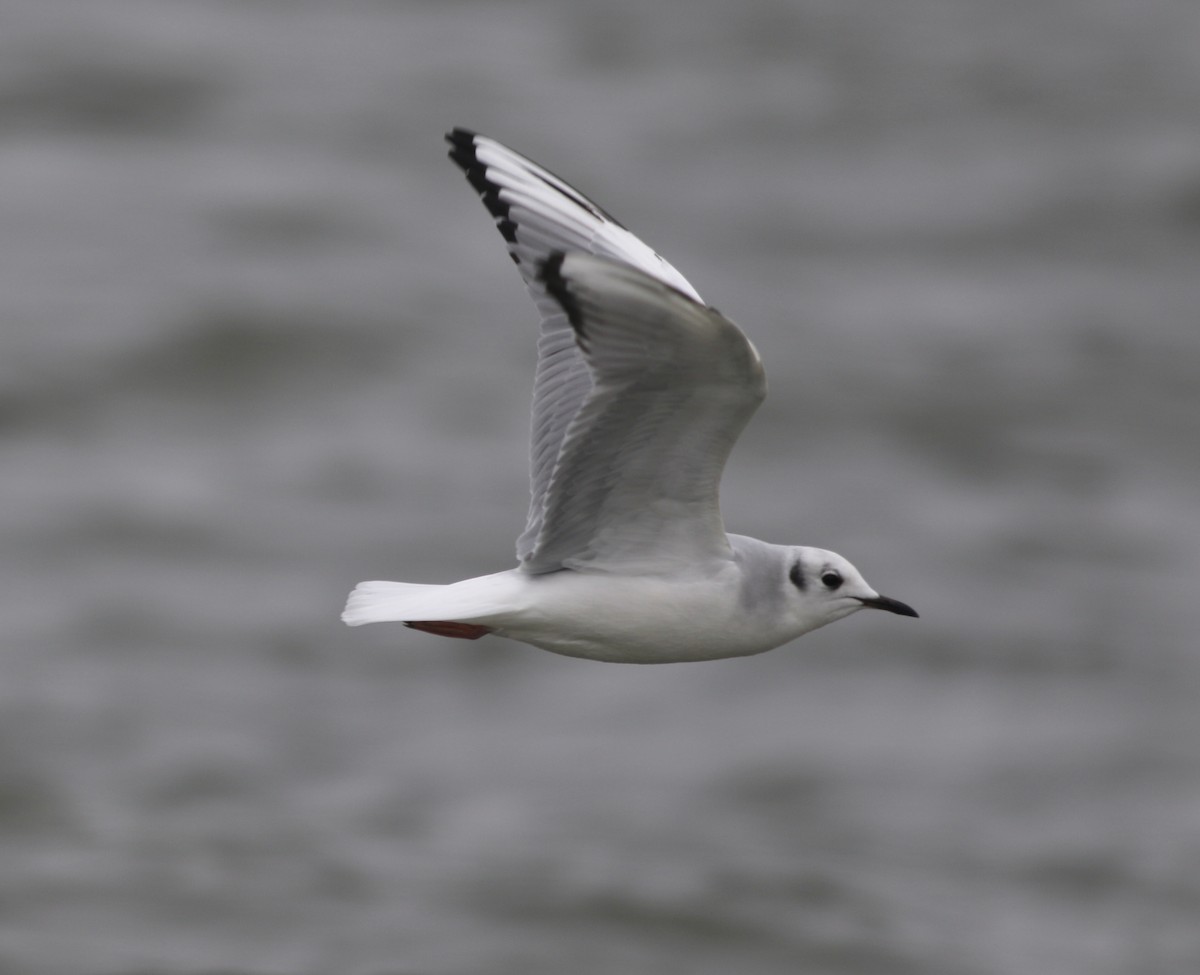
831,579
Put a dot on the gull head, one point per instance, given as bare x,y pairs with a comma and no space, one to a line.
824,587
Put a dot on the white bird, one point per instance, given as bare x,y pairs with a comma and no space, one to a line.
641,391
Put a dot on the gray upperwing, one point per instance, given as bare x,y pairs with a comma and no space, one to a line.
537,213
674,383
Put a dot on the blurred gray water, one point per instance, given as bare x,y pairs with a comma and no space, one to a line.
260,341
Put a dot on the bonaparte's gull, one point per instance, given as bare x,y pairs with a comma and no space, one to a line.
640,392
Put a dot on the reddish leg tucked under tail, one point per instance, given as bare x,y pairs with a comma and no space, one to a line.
461,631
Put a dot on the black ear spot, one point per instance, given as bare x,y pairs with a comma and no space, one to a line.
831,579
797,577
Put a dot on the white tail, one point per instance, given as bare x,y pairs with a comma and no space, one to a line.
471,599
379,602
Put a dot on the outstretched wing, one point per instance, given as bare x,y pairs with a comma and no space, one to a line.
674,383
537,213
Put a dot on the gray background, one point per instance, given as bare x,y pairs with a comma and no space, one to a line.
261,341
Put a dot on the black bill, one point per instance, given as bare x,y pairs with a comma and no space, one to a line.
890,605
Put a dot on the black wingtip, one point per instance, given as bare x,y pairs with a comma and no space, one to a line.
462,150
463,154
458,135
